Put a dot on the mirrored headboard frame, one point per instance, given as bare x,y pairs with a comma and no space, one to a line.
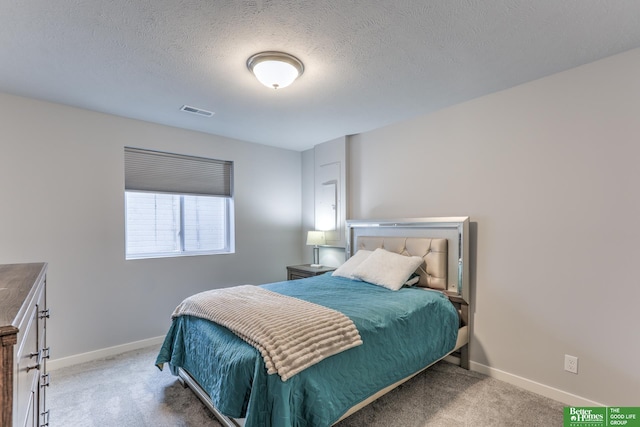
454,229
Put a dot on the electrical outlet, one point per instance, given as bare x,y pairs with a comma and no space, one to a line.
571,364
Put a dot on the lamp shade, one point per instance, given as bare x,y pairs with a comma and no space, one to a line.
275,69
315,238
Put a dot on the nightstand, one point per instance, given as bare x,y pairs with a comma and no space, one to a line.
305,270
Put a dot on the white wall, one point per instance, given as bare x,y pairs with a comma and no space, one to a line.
61,183
549,172
308,203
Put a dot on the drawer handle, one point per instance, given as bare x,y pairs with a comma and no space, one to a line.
32,355
45,353
36,366
45,418
44,314
44,380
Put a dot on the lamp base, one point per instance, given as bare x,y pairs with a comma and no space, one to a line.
316,257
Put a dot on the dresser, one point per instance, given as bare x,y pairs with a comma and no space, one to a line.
23,345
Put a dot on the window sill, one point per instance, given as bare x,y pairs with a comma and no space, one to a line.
175,255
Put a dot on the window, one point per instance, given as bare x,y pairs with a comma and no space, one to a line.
177,205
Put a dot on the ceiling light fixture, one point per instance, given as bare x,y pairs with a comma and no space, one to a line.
275,69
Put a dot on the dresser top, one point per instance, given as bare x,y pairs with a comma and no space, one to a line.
16,287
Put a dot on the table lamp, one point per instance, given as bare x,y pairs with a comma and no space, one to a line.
316,238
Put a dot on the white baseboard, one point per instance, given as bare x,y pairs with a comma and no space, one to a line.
544,390
102,353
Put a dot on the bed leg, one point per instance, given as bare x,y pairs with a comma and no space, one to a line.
464,351
464,357
182,382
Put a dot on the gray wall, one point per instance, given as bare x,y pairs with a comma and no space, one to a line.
548,172
61,182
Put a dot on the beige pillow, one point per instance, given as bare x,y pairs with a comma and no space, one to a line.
346,269
387,269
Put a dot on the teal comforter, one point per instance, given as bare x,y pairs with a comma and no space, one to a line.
402,331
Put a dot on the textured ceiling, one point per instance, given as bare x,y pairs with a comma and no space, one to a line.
367,63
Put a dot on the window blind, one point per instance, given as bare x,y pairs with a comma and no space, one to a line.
160,172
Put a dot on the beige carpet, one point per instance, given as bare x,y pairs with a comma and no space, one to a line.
128,390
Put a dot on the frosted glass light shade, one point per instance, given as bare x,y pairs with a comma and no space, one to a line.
275,69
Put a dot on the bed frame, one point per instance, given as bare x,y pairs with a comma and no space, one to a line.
443,242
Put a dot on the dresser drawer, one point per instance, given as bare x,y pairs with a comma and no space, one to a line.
26,371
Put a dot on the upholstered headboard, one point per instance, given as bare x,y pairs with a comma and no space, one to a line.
433,273
442,242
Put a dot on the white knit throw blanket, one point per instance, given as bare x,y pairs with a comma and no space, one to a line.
291,334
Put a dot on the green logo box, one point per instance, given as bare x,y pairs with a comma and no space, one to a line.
587,416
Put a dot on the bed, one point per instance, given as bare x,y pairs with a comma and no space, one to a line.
402,331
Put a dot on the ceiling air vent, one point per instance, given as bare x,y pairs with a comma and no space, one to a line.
198,111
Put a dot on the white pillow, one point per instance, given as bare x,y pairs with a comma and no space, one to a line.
346,269
387,269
